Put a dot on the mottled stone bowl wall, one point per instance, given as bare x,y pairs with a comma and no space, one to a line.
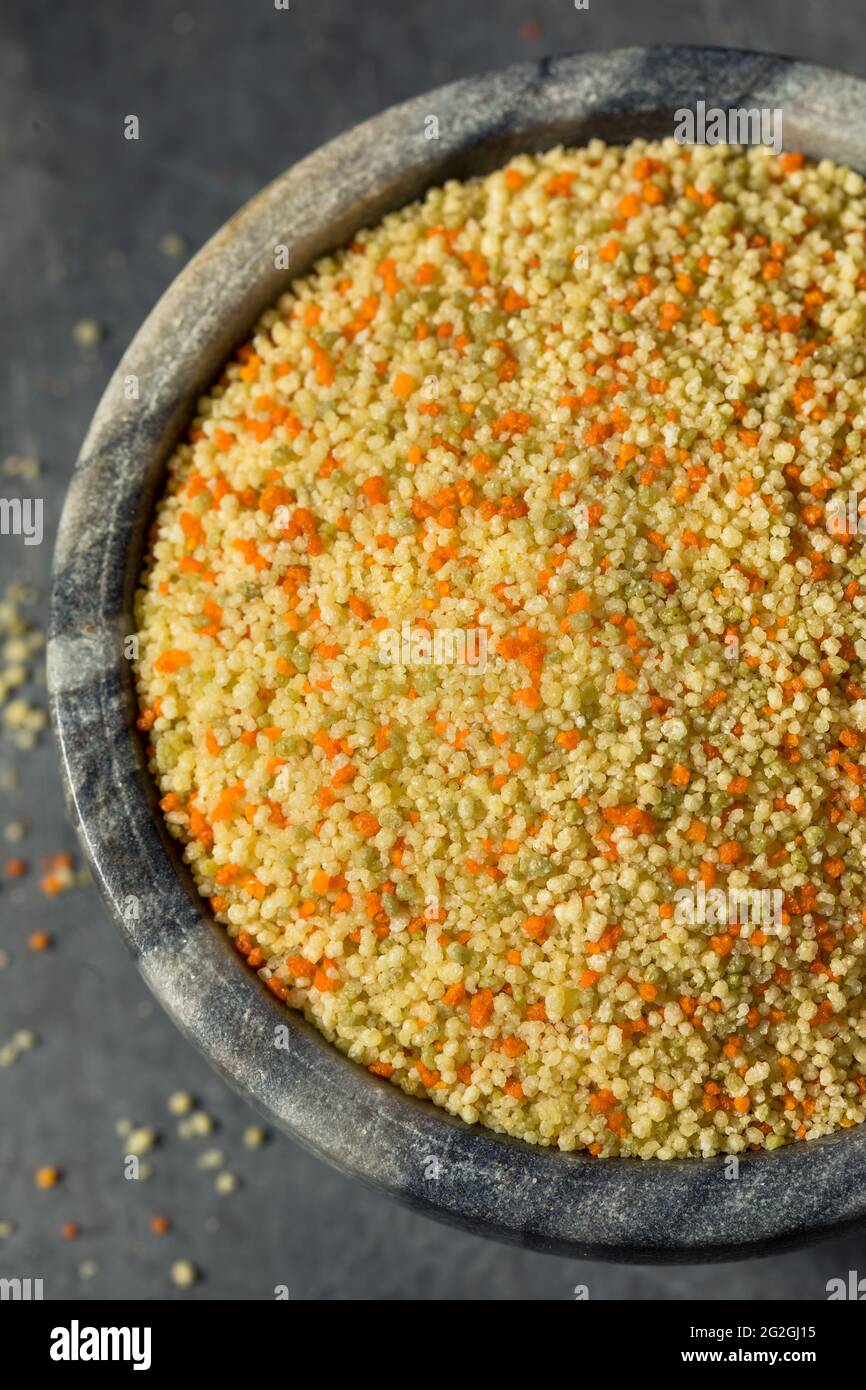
573,1204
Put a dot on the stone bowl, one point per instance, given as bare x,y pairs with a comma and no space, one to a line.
618,1209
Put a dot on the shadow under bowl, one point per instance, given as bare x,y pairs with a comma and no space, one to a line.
572,1204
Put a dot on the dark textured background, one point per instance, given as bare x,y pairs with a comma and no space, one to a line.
228,93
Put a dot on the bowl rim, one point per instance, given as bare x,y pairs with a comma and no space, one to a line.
568,1203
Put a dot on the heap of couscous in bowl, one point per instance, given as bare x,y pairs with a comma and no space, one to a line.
502,633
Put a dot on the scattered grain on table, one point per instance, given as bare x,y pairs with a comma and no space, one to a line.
88,333
184,1274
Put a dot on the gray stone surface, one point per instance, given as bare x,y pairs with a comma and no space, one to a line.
567,1203
84,193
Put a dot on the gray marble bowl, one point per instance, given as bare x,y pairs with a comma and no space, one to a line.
568,1203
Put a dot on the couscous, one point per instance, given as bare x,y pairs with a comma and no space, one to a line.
502,632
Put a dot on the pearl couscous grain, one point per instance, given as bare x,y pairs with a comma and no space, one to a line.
591,411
